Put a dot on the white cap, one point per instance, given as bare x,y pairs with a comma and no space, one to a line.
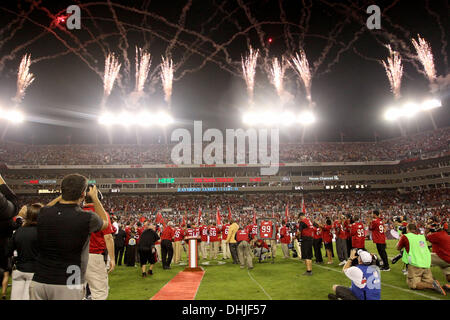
365,256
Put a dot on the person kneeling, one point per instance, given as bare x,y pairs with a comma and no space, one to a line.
365,277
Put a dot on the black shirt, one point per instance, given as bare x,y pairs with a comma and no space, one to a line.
147,240
63,233
25,242
119,238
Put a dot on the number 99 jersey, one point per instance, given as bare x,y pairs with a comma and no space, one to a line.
266,229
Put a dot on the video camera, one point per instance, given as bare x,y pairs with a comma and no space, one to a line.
99,194
375,260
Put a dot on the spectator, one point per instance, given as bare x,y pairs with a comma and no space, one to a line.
63,231
101,247
25,242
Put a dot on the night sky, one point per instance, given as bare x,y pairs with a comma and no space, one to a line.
349,87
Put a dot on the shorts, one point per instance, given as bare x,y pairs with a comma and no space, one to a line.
147,256
306,248
328,246
417,275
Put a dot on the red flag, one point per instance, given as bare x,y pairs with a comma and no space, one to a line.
199,215
254,216
183,222
142,219
229,214
303,206
159,219
218,219
286,214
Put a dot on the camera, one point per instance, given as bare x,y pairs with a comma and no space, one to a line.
292,227
397,219
397,257
99,194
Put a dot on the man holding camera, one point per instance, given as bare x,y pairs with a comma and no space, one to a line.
101,246
365,277
418,257
64,230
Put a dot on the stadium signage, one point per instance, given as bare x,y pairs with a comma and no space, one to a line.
126,181
212,189
40,182
166,180
209,180
333,178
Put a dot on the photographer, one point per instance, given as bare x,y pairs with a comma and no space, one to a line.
8,209
440,241
365,277
101,246
418,257
63,232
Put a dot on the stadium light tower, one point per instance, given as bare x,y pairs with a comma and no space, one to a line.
13,116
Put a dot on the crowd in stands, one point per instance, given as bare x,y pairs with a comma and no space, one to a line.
426,144
416,206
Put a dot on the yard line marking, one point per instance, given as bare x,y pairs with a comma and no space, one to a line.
392,286
248,271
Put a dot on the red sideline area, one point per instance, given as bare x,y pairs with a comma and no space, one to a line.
183,286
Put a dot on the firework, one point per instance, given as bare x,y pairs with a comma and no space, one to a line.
143,61
24,77
394,71
301,66
112,68
248,70
167,78
425,56
277,75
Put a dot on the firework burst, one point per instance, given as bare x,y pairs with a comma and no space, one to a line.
143,62
425,56
112,68
248,70
301,66
394,71
276,75
24,78
167,78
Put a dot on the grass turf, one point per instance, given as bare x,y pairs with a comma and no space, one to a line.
282,280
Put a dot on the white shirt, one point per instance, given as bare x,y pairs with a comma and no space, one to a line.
356,276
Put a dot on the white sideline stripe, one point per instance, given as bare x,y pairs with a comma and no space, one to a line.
390,285
248,271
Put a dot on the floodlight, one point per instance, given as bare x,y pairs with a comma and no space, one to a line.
392,114
431,104
410,109
14,116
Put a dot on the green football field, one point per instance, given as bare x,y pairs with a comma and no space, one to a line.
282,280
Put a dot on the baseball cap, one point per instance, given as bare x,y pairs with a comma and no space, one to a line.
365,256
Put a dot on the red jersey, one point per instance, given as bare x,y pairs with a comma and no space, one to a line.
243,235
377,228
340,230
266,230
197,232
307,228
358,235
138,233
128,233
318,233
168,233
178,234
213,234
97,244
204,233
225,231
440,242
326,234
261,243
284,235
254,228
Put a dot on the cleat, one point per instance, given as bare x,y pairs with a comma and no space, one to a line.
437,287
